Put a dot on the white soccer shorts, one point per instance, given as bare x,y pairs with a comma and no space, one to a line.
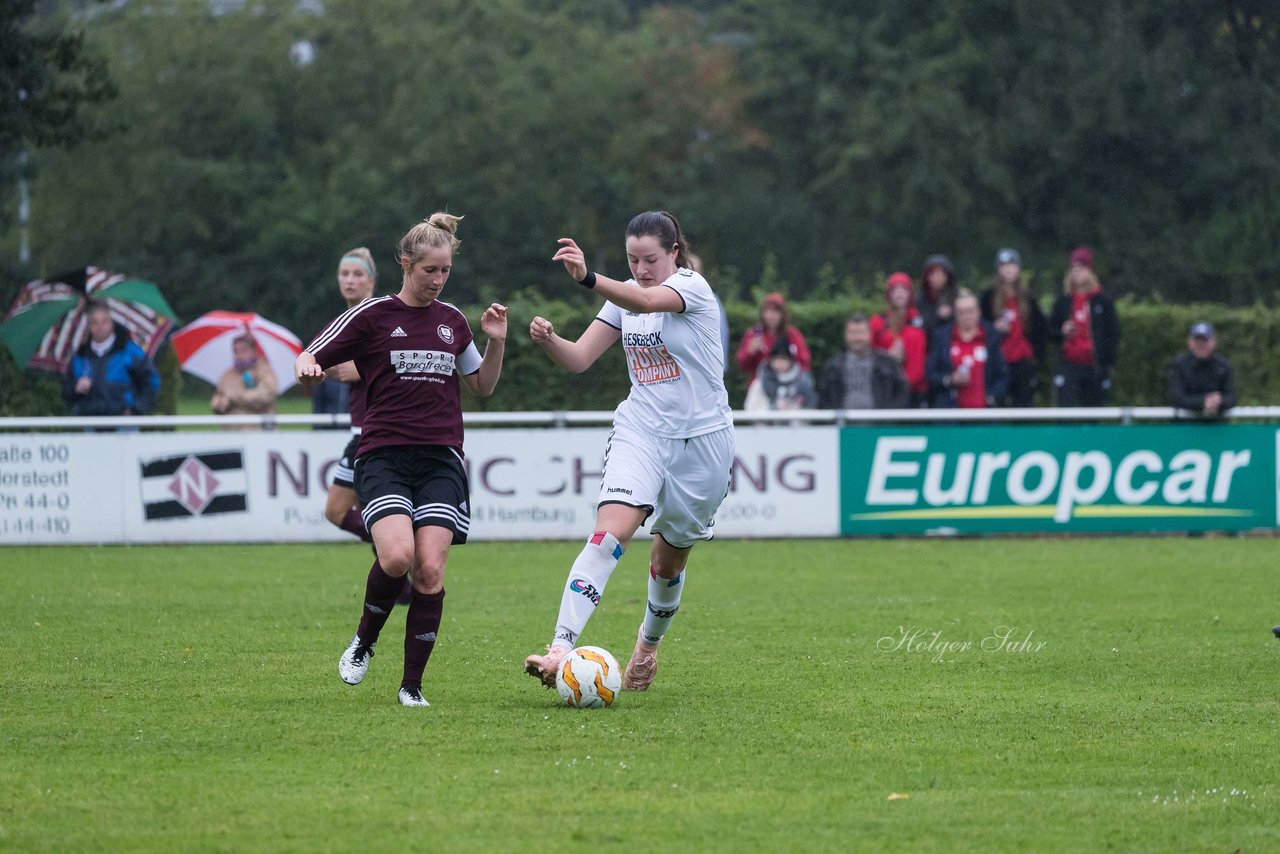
684,481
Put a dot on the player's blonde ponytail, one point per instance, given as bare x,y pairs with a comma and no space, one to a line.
438,230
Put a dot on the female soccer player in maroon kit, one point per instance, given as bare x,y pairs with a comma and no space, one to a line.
413,352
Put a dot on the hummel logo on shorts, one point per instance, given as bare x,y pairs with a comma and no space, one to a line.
399,333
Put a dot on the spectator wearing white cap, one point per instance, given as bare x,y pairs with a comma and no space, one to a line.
1200,378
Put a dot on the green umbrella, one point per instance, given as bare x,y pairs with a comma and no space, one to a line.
138,292
43,328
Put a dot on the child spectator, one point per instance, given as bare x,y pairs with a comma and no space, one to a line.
862,377
966,367
899,333
1085,324
781,382
758,340
1201,379
1015,314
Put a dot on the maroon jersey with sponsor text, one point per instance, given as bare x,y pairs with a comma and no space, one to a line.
409,359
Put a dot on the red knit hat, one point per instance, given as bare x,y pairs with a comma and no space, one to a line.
774,298
899,280
1083,257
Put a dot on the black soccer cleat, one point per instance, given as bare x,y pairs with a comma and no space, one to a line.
1275,630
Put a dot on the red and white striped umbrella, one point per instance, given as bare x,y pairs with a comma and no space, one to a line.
204,345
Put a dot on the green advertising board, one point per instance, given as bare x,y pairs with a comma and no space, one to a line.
1068,478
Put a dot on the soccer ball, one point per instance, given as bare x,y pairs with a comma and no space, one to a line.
589,678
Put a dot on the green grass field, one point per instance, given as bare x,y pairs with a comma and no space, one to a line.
187,699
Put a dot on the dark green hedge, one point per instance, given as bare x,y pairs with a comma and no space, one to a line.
1152,334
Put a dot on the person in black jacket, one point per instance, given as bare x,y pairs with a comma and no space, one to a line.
934,300
861,377
1013,310
1201,379
1085,324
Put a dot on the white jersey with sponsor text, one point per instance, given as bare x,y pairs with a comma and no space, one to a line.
676,363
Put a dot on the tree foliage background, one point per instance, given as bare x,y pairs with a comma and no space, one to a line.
807,145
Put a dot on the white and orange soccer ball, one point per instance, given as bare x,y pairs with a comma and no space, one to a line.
589,678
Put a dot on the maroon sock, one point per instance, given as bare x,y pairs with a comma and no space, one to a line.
380,593
420,627
353,523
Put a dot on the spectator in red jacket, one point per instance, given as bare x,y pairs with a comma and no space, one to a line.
758,340
1010,307
966,367
1085,324
899,332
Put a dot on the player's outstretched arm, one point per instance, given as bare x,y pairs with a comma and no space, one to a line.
306,371
493,323
574,356
629,297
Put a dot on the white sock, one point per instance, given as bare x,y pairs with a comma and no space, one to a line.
664,601
585,586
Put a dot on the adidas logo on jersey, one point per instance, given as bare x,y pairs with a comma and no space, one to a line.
399,333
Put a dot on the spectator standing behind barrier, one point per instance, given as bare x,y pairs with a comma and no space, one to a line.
966,367
758,340
357,278
862,377
937,295
109,374
781,383
331,397
1085,324
248,387
1200,378
1015,314
899,333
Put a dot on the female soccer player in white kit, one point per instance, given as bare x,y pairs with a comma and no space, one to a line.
671,449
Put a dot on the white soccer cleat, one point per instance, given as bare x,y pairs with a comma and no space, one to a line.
354,663
544,667
411,697
642,667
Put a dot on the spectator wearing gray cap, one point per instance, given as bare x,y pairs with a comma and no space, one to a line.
1201,378
1012,310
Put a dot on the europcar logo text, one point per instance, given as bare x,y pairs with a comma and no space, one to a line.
1070,477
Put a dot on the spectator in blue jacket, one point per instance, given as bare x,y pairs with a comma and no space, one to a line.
110,374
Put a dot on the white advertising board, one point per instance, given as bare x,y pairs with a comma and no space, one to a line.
529,483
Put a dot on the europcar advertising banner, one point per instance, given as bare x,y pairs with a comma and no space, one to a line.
1062,478
542,483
